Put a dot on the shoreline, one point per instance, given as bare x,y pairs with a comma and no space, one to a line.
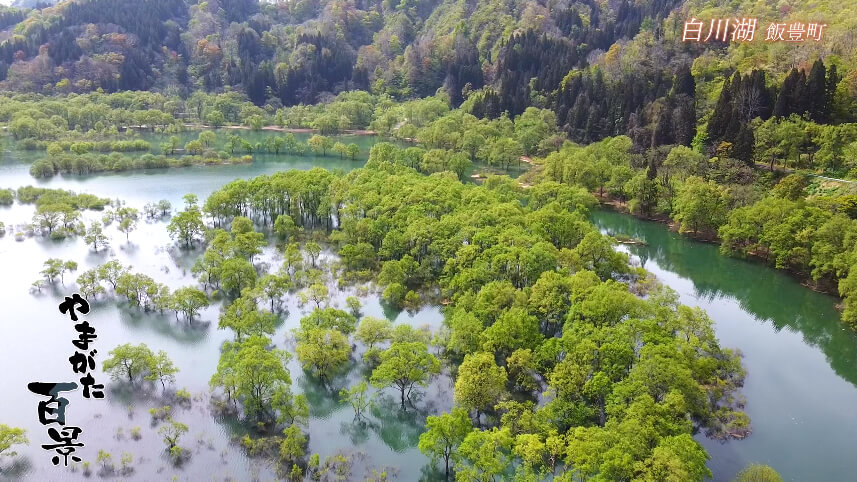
293,130
621,208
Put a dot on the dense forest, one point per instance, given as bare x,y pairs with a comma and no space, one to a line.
566,362
705,188
602,71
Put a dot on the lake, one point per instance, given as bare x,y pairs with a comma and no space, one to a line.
801,360
801,385
38,342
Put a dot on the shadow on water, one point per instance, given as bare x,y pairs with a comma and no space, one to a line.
390,311
17,469
431,473
322,397
165,324
358,431
763,292
399,429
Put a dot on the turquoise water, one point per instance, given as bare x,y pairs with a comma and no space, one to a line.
801,361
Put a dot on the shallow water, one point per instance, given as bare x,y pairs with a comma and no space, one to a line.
38,344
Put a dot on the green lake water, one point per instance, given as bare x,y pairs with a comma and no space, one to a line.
801,385
801,361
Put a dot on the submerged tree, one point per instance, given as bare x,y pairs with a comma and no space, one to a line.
95,236
256,376
161,369
188,300
10,436
443,436
358,398
405,366
187,225
480,383
323,351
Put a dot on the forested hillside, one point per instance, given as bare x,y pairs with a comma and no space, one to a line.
604,68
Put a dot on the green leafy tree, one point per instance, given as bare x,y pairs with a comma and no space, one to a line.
317,293
284,227
194,147
207,138
90,284
275,144
340,149
758,473
330,318
293,258
358,397
111,271
676,458
700,206
53,269
373,331
313,249
161,369
164,206
514,329
188,301
480,383
320,144
353,304
49,216
274,287
96,237
505,152
255,122
61,268
129,361
352,151
293,446
323,351
172,432
443,435
208,268
10,436
405,366
237,274
187,225
484,455
260,374
791,187
394,294
248,245
216,119
595,253
127,220
244,318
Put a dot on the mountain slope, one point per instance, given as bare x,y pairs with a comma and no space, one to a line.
605,67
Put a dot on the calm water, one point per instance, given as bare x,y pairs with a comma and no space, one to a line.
38,344
801,361
142,186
